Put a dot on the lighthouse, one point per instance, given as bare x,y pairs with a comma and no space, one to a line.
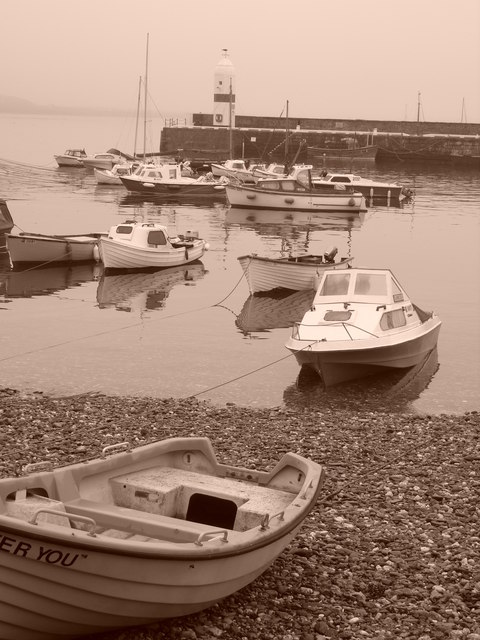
224,93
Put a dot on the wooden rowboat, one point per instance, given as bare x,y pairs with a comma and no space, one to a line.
294,272
39,248
138,535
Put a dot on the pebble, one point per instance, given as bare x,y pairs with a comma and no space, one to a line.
391,551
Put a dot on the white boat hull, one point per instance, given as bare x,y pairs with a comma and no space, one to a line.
264,274
249,197
103,177
343,360
67,161
113,542
37,248
116,255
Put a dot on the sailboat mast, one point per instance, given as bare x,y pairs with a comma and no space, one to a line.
138,113
145,105
286,136
230,141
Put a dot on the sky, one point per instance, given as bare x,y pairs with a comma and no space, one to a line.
367,59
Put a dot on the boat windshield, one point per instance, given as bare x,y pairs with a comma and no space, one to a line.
335,284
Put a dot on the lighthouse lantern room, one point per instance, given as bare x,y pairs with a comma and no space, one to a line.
224,93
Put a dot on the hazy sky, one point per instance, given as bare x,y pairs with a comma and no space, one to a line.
349,59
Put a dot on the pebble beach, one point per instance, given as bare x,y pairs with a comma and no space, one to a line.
391,550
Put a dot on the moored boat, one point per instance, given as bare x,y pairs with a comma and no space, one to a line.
71,158
296,272
105,160
295,193
362,322
368,187
112,176
167,180
145,245
39,248
160,531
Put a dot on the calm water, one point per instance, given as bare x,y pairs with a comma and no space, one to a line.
194,330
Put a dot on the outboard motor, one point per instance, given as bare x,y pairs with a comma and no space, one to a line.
330,257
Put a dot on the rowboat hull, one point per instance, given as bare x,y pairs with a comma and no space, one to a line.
171,188
116,255
264,274
249,197
36,248
157,532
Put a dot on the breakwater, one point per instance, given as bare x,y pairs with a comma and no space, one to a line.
266,138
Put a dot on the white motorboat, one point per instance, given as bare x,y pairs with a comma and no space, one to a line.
368,187
361,322
237,170
139,535
167,180
278,170
105,160
112,176
295,193
144,245
38,248
71,158
296,272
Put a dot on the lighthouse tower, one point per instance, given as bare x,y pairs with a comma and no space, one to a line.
224,93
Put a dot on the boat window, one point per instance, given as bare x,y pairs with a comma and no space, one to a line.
369,284
337,316
123,228
271,185
341,179
393,319
302,178
288,185
397,292
172,174
238,165
152,174
335,284
156,237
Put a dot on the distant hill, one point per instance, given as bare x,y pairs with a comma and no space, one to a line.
9,104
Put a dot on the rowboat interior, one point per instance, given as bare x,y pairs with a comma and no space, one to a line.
175,495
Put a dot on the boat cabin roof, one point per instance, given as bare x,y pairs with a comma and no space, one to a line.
140,233
159,171
376,286
347,178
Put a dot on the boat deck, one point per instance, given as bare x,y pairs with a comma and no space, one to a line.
160,503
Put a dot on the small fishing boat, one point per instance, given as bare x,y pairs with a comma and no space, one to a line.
105,160
71,158
139,535
362,322
112,176
368,187
145,245
167,180
39,248
295,193
298,272
6,220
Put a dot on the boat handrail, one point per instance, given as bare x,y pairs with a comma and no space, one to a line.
223,536
345,325
90,522
267,518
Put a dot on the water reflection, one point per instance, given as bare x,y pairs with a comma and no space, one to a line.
316,219
392,390
135,200
44,281
275,309
144,290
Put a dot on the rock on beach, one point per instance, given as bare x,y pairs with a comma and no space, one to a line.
391,550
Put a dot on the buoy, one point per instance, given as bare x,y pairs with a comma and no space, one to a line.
251,196
96,253
351,202
289,200
206,246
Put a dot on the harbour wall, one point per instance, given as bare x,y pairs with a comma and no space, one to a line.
264,137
